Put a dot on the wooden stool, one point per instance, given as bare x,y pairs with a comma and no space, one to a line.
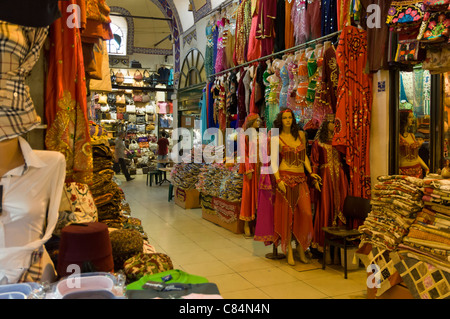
150,174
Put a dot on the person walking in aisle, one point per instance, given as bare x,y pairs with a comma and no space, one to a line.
120,155
163,149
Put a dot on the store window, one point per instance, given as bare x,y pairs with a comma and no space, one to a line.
118,45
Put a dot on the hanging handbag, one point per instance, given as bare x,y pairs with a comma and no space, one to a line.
140,119
131,117
145,98
146,78
113,76
131,108
121,109
128,79
405,15
150,127
137,97
104,108
140,110
141,129
119,116
120,99
119,77
133,145
137,76
150,108
111,98
103,99
436,5
409,52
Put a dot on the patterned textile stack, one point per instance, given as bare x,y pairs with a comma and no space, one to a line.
220,180
107,194
185,175
396,200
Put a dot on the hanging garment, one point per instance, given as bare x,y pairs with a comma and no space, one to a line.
313,14
279,27
329,17
353,112
285,86
266,24
292,71
329,202
254,44
289,39
220,56
209,51
65,100
299,19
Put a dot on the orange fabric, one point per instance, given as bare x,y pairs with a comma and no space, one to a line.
292,212
65,100
343,13
289,40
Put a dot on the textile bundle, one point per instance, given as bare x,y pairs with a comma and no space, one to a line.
428,239
185,175
217,180
396,201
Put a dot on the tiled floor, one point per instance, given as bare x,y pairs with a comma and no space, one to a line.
237,265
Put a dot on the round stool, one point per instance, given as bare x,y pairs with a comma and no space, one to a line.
85,244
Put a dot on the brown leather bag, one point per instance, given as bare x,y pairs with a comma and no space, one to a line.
119,77
138,76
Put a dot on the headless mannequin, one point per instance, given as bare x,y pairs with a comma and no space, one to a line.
12,156
287,137
326,45
298,55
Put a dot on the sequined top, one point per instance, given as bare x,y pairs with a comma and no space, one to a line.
293,156
407,150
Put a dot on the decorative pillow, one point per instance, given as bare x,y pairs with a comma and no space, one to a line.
435,27
436,5
146,264
409,52
77,206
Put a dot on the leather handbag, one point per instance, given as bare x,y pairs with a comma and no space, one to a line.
128,79
131,108
119,116
137,97
140,110
120,99
111,98
121,109
113,76
146,77
103,99
138,76
131,117
119,77
145,98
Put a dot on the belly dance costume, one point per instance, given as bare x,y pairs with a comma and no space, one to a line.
411,153
292,210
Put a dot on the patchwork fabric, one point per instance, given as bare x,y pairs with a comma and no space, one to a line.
146,264
388,274
423,280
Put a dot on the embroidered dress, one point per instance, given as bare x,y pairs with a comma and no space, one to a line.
299,19
329,17
303,82
220,58
353,113
254,44
329,202
65,100
411,153
265,29
209,52
292,71
285,86
292,210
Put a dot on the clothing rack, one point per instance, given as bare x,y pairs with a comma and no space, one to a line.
294,48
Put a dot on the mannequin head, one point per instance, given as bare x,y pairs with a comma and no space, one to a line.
285,121
406,120
252,120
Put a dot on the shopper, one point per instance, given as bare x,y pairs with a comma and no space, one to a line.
120,155
163,149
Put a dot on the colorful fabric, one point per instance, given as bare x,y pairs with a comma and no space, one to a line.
423,280
65,100
292,212
143,264
20,49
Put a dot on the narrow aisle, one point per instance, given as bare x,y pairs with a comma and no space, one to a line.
237,265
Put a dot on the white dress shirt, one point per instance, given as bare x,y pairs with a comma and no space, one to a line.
31,198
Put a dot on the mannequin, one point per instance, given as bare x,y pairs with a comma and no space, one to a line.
251,171
292,208
326,161
32,181
410,163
